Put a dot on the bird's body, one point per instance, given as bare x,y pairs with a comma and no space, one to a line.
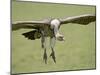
47,29
50,28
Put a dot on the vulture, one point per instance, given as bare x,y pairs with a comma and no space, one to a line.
50,28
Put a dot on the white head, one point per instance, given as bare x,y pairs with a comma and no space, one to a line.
55,25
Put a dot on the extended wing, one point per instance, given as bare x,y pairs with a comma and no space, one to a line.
81,19
29,24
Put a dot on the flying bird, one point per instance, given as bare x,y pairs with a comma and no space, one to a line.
50,28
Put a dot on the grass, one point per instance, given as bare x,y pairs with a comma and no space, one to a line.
76,52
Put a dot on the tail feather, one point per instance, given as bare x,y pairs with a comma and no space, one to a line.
32,35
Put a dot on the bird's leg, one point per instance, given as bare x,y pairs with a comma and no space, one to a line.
52,44
45,53
53,55
45,56
42,41
44,47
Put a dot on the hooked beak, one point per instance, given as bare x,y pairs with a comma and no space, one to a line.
63,39
60,37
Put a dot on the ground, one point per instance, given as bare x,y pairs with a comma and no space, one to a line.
75,53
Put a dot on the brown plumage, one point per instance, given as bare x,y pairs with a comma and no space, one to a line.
50,28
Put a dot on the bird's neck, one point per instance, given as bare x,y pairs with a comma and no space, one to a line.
55,25
56,31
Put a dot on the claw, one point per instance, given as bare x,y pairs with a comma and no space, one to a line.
53,56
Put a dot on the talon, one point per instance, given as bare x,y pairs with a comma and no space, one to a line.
53,56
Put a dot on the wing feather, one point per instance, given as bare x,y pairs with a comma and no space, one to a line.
81,19
28,24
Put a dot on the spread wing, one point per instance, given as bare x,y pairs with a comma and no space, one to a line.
81,19
29,24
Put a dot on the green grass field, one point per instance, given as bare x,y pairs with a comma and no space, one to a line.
76,52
